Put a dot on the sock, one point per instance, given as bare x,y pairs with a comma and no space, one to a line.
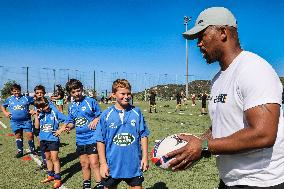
57,176
50,173
43,156
20,145
87,184
31,145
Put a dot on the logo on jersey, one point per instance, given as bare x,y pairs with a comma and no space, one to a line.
112,126
47,127
80,121
19,107
133,122
83,108
123,139
220,98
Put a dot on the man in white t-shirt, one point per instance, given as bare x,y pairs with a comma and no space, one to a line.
247,132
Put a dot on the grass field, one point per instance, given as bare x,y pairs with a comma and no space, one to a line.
20,174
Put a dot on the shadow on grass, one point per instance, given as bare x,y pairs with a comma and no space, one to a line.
159,185
63,144
69,172
68,158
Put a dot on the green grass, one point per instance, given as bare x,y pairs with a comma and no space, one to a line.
18,174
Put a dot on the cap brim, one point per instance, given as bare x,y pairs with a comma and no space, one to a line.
193,32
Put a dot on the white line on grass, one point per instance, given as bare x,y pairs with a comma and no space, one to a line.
3,125
39,164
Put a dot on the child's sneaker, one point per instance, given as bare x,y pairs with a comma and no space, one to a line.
19,155
99,186
48,179
34,153
57,184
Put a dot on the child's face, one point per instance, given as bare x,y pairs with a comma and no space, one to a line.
16,92
123,96
77,94
39,94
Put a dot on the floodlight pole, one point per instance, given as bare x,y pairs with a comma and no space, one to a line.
54,80
94,80
27,79
186,19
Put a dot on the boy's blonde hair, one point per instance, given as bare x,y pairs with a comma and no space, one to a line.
122,83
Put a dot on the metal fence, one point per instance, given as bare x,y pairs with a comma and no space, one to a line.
29,77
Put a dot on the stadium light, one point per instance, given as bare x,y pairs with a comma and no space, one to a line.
145,92
186,19
54,80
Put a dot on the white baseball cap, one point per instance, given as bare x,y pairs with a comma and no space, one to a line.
214,16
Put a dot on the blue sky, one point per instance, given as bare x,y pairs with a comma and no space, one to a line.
131,36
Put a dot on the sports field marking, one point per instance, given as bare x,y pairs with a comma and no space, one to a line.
3,125
39,164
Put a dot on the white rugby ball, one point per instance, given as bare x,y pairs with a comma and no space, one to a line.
163,147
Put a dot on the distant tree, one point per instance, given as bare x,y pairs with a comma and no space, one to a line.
5,91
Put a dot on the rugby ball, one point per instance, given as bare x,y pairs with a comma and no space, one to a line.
164,146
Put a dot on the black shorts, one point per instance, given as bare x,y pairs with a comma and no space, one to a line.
48,146
87,149
223,186
111,182
203,105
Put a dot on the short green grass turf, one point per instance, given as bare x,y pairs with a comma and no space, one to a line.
19,174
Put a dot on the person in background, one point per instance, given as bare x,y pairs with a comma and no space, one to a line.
178,99
203,103
58,97
152,102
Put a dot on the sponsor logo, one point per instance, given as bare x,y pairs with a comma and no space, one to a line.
123,139
18,107
80,121
83,108
47,127
200,21
220,98
112,126
133,122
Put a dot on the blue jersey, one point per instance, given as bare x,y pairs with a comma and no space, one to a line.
122,135
81,114
19,107
49,123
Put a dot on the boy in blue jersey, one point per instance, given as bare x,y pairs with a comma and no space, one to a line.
83,114
40,93
122,140
47,119
20,118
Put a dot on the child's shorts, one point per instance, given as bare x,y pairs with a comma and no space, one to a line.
111,182
87,149
48,146
26,126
